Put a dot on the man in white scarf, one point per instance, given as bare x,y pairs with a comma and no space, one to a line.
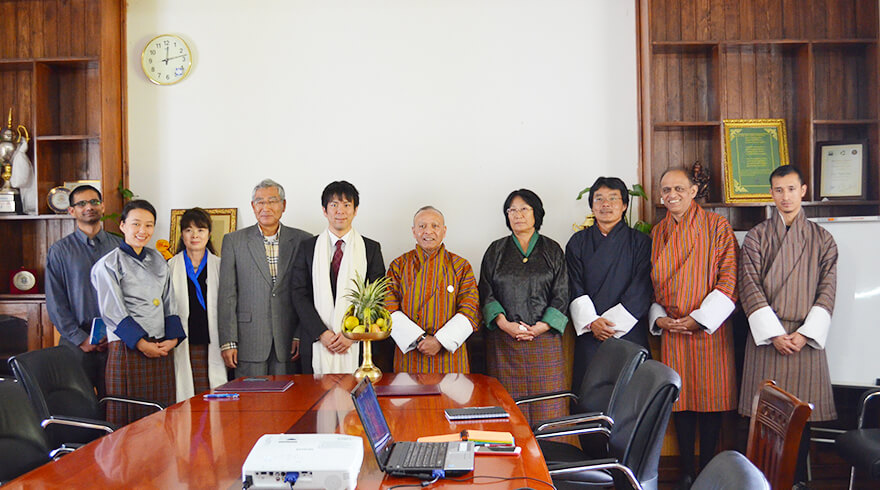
322,273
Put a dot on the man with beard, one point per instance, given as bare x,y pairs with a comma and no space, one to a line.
70,298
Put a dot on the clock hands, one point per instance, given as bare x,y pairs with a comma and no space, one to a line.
166,60
166,55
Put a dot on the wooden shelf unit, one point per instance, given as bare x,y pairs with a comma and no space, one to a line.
62,70
813,63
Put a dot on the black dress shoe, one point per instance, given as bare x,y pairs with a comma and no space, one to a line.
684,483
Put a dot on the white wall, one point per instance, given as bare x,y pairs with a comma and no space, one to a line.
447,102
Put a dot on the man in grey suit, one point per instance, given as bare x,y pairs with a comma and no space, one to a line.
256,317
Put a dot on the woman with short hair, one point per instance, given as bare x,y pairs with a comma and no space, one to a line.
524,297
195,278
137,305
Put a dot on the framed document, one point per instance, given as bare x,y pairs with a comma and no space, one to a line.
841,168
223,221
753,149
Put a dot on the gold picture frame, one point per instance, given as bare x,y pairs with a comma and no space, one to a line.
223,221
753,149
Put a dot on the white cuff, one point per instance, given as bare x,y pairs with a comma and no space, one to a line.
654,313
404,331
765,325
816,326
454,332
714,309
621,318
583,313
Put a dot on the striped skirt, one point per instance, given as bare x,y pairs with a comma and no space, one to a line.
198,361
529,368
130,374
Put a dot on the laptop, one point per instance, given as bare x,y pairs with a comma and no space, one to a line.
426,460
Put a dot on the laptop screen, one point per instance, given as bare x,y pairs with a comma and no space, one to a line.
373,420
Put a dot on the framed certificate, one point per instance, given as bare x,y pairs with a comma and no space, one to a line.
223,221
753,148
841,168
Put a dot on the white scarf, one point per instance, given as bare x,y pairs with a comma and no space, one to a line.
354,259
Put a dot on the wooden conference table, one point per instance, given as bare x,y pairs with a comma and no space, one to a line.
202,444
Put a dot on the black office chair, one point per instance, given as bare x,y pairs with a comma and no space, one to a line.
730,470
634,441
861,447
13,341
23,443
608,373
63,396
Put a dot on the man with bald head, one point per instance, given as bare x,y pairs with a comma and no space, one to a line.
694,278
433,301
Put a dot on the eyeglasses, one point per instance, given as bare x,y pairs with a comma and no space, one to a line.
520,211
609,200
679,189
272,201
82,204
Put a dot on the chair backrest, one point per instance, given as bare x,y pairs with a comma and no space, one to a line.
778,419
609,371
56,384
23,444
730,470
13,340
641,415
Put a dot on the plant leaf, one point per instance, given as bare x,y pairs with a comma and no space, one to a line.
638,190
581,193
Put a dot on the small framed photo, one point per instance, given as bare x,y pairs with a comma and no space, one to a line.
841,169
223,221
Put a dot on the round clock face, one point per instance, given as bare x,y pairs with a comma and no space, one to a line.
166,59
24,280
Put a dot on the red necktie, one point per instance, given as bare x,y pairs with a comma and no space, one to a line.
334,264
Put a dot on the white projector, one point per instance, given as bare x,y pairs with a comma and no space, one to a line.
308,461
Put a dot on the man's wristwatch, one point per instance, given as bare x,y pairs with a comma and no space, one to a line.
420,339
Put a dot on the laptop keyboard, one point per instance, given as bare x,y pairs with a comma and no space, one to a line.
424,454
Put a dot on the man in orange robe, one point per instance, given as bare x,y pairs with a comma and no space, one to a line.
433,300
694,276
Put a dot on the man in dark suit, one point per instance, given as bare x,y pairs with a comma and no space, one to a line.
322,273
256,318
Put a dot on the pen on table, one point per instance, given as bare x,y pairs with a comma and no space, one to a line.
220,396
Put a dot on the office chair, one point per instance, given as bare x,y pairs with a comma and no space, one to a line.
23,443
13,340
778,419
608,373
861,447
634,441
730,470
63,397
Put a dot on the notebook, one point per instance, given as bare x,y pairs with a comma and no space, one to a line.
425,460
470,413
255,385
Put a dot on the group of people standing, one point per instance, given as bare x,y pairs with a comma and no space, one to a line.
278,295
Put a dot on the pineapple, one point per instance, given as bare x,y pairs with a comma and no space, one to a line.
367,306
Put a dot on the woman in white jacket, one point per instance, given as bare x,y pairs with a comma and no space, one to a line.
195,277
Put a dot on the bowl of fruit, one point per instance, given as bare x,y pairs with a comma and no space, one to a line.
367,320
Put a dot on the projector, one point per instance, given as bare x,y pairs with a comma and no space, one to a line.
307,461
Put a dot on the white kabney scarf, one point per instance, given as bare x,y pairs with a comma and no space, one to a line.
354,259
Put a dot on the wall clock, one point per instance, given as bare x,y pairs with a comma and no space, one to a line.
166,59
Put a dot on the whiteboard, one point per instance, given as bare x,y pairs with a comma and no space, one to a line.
853,345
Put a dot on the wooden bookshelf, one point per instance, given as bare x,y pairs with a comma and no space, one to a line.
62,70
813,63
